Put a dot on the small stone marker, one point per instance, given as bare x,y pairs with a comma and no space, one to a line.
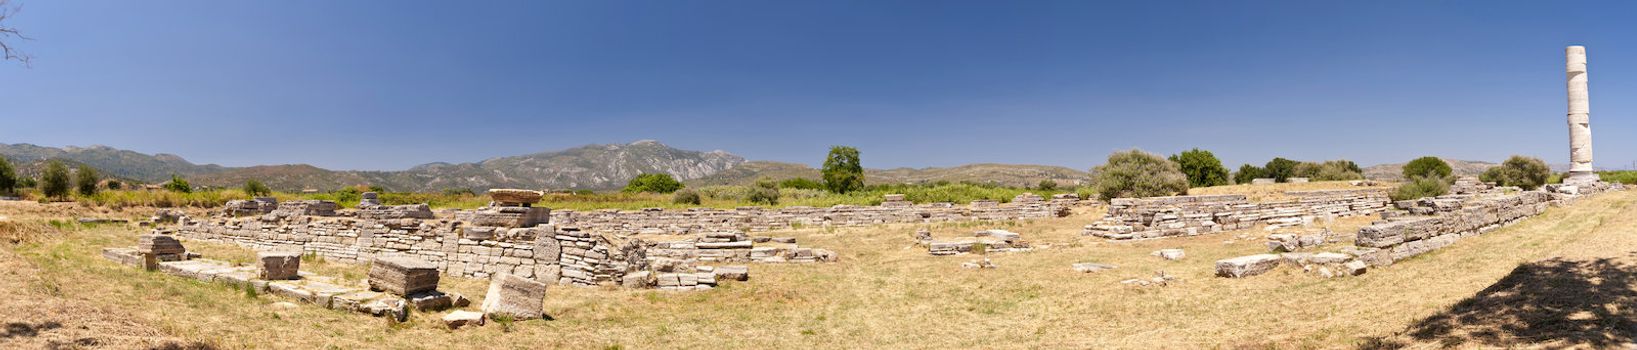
278,265
1169,254
402,276
462,318
517,297
1246,266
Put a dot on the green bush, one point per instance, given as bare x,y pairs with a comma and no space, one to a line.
1247,173
54,180
1430,167
86,179
256,188
686,197
1136,173
115,184
765,192
1419,187
1527,173
1628,177
801,183
653,183
843,172
1334,170
178,184
1047,185
1201,167
8,177
1279,169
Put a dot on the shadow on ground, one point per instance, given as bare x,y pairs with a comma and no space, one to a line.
1587,303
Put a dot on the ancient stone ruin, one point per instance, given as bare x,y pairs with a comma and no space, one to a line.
1156,217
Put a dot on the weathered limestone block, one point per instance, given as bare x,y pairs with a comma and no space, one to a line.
515,197
462,318
1246,266
1169,254
160,245
278,265
517,297
403,276
1092,267
732,273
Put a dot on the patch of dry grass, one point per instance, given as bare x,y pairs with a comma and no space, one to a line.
1275,192
888,293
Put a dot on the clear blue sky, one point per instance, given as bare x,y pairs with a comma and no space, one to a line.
387,85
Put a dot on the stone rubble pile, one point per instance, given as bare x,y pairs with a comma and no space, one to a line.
253,207
1156,217
1293,242
894,209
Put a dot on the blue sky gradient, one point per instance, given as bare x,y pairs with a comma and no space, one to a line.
387,85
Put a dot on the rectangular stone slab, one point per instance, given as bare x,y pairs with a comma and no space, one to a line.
402,276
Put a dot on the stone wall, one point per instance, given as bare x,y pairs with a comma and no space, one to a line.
755,219
1449,220
1155,217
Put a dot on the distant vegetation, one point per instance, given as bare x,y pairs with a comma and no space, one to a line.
54,180
1136,173
1527,173
86,180
178,184
1247,173
1201,167
1428,177
1427,167
1628,177
653,183
1279,169
256,188
843,171
8,177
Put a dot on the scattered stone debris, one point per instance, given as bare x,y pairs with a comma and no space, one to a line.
1291,242
1169,254
923,236
1092,267
978,264
1160,279
991,241
1156,217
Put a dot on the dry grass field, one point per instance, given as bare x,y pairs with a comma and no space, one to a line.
1561,279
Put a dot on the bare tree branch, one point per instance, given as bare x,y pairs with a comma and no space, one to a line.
9,33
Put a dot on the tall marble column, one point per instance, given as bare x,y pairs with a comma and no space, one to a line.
1580,129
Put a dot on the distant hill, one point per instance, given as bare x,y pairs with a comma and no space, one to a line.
1002,174
593,167
1395,171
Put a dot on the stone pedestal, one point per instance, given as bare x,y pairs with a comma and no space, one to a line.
516,297
402,276
275,266
1580,130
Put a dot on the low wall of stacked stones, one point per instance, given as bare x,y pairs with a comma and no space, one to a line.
1155,217
1404,236
756,219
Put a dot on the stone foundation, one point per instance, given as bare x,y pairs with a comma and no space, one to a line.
1156,217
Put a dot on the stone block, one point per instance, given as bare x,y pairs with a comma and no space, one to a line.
402,276
1169,254
517,297
732,273
462,318
278,265
1246,266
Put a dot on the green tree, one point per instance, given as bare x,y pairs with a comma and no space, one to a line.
54,180
1247,173
1279,169
255,188
843,172
1202,168
1419,187
1047,185
764,192
178,184
86,180
1430,167
8,177
115,184
1527,173
1136,173
653,183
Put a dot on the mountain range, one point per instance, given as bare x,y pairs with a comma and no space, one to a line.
592,167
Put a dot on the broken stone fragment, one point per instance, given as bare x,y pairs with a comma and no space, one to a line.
462,318
515,296
732,272
1354,268
515,197
1168,254
1246,266
1092,267
278,265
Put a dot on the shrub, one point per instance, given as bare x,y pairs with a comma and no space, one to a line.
686,197
1430,167
115,184
653,183
86,180
8,177
54,180
27,182
1247,173
764,192
1279,169
1334,170
178,184
1201,167
1419,187
1628,177
843,172
1525,172
801,183
1136,173
256,188
1047,185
